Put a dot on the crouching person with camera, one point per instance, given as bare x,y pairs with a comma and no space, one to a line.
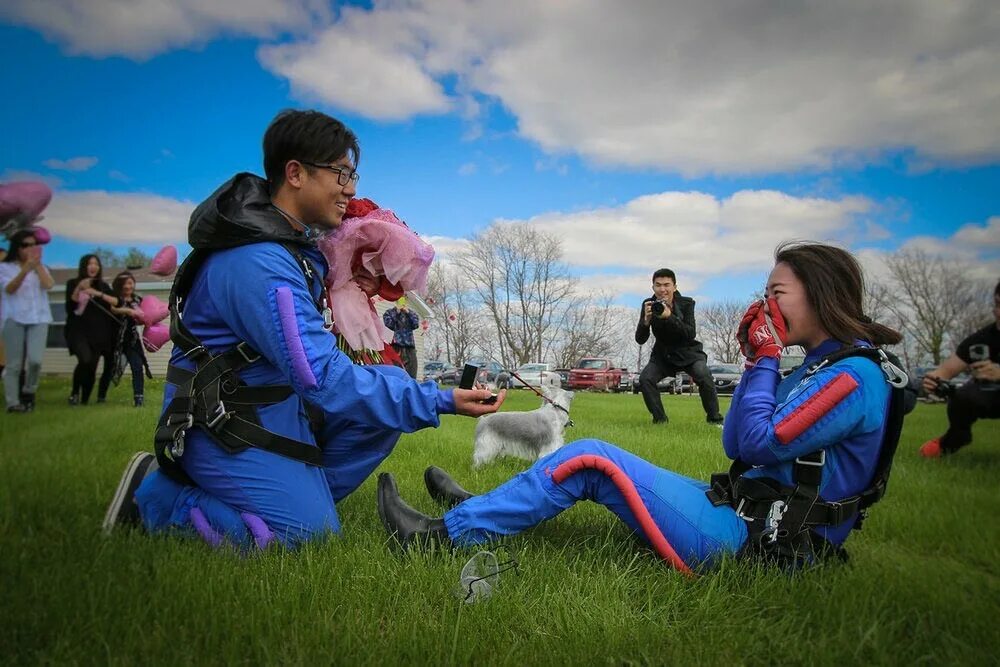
978,399
670,317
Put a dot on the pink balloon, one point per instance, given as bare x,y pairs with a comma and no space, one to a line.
153,310
155,336
23,199
42,235
165,261
81,303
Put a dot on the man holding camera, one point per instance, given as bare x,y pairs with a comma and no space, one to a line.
978,399
670,316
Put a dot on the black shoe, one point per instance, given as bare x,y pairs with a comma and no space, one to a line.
28,401
405,524
102,399
665,420
123,510
17,409
74,400
138,400
718,420
443,488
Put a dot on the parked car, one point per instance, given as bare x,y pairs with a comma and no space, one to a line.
595,373
433,369
627,380
671,384
726,377
791,358
563,375
537,375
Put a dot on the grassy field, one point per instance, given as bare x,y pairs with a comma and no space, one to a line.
923,584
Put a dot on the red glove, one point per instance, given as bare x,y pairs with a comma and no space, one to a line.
762,333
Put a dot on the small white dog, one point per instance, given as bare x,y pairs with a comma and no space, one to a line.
526,435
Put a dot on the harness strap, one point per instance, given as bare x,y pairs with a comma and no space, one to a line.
213,398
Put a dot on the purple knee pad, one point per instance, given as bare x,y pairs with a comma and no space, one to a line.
262,535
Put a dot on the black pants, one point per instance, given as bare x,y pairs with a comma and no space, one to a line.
85,372
409,357
970,402
135,357
655,371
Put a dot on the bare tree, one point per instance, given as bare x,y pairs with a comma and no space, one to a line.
590,327
457,326
933,298
717,324
519,276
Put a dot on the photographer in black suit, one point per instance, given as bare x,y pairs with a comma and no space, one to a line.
671,318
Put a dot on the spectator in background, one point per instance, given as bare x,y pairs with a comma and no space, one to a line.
978,399
670,317
129,343
24,316
403,322
91,329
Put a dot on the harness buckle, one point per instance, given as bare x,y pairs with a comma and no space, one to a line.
177,446
194,351
819,464
739,510
220,416
242,350
773,520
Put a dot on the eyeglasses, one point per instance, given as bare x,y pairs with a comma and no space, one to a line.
343,174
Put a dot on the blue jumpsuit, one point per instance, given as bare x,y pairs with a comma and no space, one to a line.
842,408
258,293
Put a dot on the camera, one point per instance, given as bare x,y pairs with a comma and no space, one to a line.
657,308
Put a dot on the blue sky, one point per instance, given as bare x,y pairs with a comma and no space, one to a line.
668,135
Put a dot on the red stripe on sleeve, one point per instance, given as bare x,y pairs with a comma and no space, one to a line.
812,410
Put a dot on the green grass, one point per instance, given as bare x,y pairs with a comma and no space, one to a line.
923,584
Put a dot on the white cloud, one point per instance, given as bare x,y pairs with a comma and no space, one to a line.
81,163
365,64
9,175
468,169
981,236
143,28
691,86
702,237
117,217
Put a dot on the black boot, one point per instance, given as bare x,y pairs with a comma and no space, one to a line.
137,399
443,488
28,401
405,524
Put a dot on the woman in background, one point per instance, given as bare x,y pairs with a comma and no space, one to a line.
129,342
24,316
91,329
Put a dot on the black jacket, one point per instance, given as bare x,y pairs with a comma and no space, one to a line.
675,343
240,212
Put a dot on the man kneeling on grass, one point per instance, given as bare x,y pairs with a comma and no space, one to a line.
237,458
810,451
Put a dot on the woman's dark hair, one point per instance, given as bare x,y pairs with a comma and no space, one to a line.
81,271
835,287
119,282
307,136
15,244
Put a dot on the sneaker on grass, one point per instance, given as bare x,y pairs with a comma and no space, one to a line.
123,510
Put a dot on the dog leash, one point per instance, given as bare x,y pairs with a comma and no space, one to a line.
545,399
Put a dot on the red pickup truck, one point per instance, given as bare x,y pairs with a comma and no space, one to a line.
595,373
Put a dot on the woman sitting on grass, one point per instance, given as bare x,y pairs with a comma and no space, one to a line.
828,422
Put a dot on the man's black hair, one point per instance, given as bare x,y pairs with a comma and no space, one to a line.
664,273
307,136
